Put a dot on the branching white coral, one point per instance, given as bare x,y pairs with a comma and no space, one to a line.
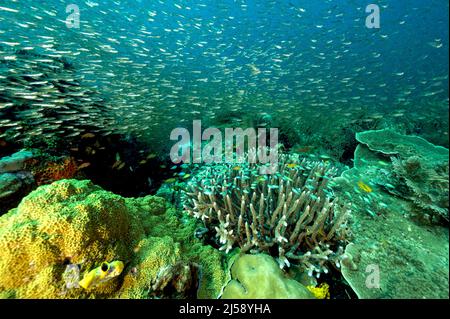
292,210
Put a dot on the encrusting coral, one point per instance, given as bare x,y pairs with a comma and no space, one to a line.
292,212
46,172
77,224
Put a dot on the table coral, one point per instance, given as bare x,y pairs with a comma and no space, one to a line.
419,170
399,256
390,142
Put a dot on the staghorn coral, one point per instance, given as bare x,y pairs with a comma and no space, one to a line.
291,213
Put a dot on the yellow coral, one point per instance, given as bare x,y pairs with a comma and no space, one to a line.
321,291
66,222
76,222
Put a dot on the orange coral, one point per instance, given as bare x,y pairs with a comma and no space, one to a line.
54,171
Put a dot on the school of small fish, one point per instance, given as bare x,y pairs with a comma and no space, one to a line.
144,67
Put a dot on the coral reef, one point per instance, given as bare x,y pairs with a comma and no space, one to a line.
67,222
419,171
259,277
426,184
391,255
292,212
179,281
74,222
46,172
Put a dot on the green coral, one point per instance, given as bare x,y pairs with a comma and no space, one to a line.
259,277
390,142
418,172
412,257
76,222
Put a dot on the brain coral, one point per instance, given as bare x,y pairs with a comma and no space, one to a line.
259,277
76,222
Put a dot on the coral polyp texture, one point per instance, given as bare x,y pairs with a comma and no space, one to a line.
292,212
80,225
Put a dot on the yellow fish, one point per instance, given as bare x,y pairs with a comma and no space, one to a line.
87,135
291,165
101,274
364,187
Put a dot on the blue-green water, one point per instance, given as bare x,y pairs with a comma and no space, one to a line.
156,65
